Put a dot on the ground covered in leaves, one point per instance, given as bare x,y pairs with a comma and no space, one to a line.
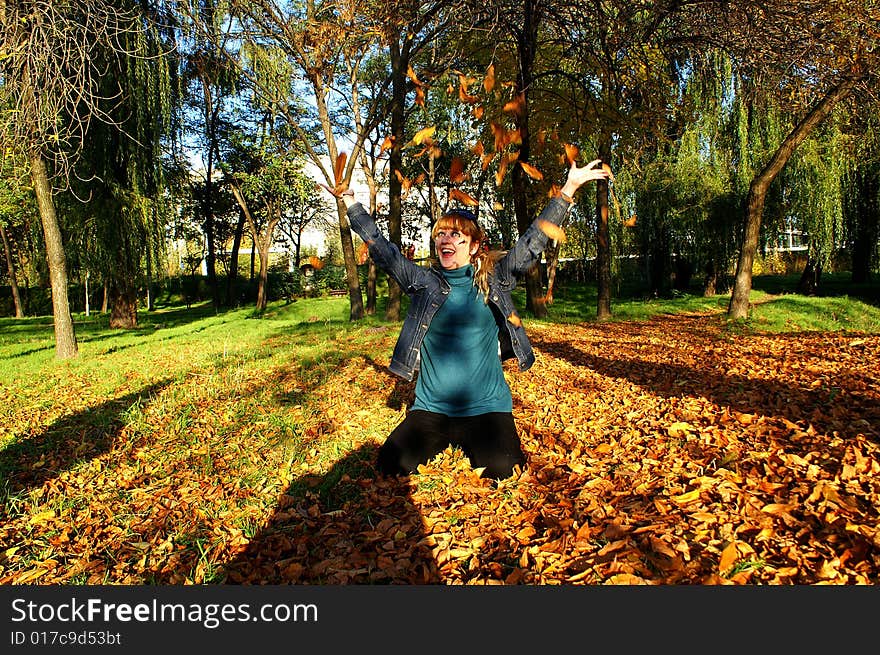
671,451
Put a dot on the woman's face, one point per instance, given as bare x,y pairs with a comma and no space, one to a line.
454,247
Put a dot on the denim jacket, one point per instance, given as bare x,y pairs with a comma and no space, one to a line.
428,289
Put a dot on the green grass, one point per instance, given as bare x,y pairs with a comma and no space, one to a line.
196,393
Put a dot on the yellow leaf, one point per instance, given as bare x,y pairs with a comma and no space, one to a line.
42,517
688,497
424,133
680,429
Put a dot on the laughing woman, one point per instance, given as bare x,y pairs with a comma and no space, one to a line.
460,325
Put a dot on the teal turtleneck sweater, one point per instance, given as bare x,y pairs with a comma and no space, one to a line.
460,372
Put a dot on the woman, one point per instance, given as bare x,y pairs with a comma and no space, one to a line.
460,325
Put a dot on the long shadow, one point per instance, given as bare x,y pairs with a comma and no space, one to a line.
345,527
820,406
29,461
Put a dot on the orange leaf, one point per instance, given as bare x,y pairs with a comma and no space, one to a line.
457,174
630,222
420,96
516,106
339,168
489,80
571,153
477,148
499,133
514,319
479,110
463,84
386,144
462,197
552,230
405,182
531,171
501,172
487,159
728,557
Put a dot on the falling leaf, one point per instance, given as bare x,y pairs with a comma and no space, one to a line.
462,197
531,171
489,79
411,74
630,222
420,96
463,85
499,133
501,171
571,153
479,110
552,230
457,173
386,144
339,168
515,106
477,148
513,319
424,134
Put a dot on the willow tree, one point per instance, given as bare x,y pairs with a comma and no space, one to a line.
807,55
121,173
53,89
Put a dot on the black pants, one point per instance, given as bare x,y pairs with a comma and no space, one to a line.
488,440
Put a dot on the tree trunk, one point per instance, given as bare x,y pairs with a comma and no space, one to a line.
123,305
399,64
65,337
808,285
13,282
552,256
710,286
526,51
371,286
232,278
742,286
603,239
262,299
866,223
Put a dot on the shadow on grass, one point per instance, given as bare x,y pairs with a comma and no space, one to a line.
28,462
347,526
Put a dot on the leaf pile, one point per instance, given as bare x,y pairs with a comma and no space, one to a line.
662,452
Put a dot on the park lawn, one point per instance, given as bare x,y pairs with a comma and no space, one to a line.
664,447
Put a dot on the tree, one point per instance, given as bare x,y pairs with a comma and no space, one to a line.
806,55
52,90
210,77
